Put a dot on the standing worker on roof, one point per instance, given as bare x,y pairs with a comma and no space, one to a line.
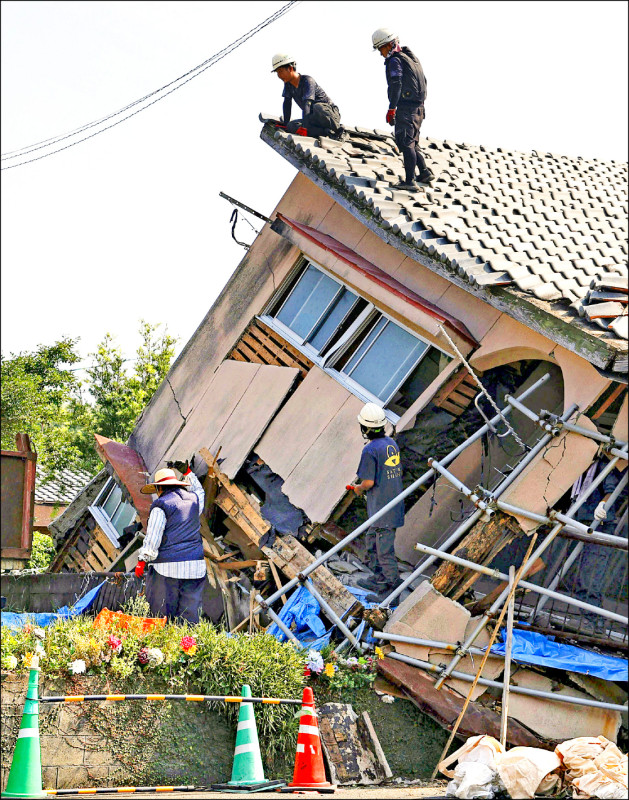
380,476
321,117
407,94
173,545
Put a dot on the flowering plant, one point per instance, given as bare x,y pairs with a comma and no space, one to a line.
189,645
115,643
155,656
78,666
9,662
314,662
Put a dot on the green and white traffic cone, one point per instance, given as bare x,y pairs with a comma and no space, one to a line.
25,774
247,770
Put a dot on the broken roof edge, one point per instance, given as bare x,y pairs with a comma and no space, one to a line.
572,334
73,513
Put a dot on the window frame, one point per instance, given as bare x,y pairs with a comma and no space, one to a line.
102,518
358,331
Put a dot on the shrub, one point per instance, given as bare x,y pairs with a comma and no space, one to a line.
42,553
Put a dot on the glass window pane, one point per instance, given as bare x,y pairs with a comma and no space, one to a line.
333,320
310,298
124,515
112,501
381,367
420,378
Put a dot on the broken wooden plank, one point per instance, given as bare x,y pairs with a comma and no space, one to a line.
351,746
287,553
444,706
236,564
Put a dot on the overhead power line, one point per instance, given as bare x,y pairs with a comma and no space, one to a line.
175,84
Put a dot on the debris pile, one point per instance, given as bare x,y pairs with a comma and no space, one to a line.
586,766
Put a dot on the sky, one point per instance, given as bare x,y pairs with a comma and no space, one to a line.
129,224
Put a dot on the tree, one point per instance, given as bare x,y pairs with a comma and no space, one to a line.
38,394
119,398
42,396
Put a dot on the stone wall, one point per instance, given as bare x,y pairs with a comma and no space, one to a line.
117,744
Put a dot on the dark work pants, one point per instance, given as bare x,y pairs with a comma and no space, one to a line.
174,598
408,121
322,120
381,560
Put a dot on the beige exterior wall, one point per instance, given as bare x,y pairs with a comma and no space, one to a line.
264,267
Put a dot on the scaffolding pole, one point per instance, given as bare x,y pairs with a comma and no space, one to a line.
531,587
467,524
560,698
533,558
579,547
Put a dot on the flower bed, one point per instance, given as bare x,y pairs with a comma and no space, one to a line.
202,658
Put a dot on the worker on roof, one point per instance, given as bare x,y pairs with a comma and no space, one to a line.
380,478
173,546
407,94
320,116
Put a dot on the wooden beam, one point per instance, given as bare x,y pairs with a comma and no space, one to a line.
287,553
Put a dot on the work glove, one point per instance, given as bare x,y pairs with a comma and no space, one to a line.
139,569
391,116
600,513
301,131
182,466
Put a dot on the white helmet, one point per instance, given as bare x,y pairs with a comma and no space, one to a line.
372,416
281,60
382,36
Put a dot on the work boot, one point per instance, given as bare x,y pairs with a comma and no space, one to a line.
426,176
371,583
406,187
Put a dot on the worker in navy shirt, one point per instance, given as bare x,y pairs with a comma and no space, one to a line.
380,478
320,116
407,94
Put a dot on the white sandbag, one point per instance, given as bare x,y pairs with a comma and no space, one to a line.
523,769
474,780
481,749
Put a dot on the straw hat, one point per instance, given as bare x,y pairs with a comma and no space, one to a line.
163,477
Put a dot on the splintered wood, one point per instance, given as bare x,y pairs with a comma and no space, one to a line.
287,553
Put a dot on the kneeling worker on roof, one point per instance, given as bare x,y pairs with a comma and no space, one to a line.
407,94
173,546
321,116
380,476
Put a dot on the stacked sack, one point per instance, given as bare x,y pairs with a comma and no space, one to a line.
594,767
486,770
590,766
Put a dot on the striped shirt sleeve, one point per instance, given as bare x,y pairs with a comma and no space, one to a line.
153,539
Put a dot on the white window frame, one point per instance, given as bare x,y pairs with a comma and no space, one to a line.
369,314
101,517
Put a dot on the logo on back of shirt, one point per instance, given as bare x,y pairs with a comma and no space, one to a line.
393,456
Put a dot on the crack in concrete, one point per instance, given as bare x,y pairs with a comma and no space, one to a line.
175,399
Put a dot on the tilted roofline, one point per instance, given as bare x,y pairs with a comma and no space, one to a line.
420,225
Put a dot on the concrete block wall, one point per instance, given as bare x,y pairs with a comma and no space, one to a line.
117,744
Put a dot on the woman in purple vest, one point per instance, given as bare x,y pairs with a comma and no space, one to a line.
173,546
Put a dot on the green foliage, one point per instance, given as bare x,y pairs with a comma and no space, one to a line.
219,663
120,397
43,551
38,392
42,396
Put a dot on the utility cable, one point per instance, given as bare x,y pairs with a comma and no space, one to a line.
193,73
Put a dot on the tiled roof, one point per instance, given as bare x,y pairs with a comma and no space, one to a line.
63,488
544,225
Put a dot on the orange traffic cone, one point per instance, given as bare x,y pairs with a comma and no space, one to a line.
309,768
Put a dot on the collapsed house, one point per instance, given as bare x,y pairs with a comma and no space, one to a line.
505,279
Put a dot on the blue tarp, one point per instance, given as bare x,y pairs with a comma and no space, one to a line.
302,609
15,621
535,648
